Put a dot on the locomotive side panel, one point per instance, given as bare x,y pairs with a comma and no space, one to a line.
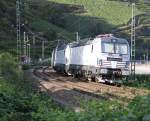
84,58
52,58
76,56
59,62
60,57
96,52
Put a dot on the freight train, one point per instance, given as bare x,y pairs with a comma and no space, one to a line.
104,58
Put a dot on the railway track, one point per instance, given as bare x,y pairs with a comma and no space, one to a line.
64,95
96,87
69,85
69,90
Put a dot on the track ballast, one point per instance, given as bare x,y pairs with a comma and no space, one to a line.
69,91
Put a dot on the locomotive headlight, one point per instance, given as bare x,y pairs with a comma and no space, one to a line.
104,71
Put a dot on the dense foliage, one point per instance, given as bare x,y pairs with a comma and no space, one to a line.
141,81
19,103
9,68
20,106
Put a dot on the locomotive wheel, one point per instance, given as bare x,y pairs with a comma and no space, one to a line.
68,73
75,75
89,79
93,79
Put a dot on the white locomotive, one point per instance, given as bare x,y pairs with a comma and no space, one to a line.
104,58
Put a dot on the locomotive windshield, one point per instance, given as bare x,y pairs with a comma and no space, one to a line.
121,48
108,48
114,47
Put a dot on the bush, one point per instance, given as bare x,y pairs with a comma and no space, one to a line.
142,81
9,68
139,108
26,67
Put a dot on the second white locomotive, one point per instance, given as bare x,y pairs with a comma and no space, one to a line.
103,58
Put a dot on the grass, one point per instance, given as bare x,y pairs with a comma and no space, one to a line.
44,26
114,12
142,81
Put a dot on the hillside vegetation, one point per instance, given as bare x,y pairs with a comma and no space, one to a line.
114,12
61,19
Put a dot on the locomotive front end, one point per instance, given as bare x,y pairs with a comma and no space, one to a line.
115,57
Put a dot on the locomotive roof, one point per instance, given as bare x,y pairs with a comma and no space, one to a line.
82,42
108,37
112,39
88,41
61,47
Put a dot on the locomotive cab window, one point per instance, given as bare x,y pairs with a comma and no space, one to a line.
108,47
121,48
115,47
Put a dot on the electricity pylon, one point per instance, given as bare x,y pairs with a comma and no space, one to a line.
133,43
18,2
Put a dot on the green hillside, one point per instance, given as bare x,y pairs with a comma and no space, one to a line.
61,19
114,12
